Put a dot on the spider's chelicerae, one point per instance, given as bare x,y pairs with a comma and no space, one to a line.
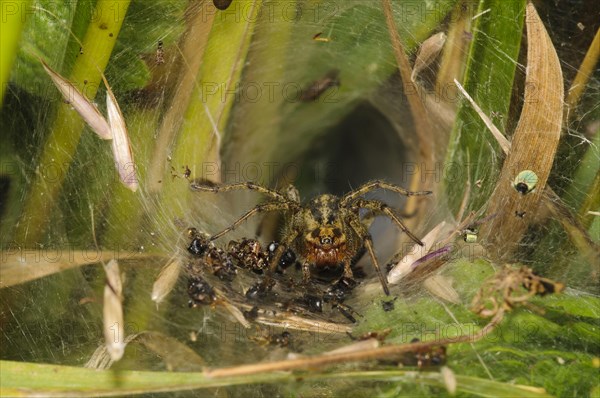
326,232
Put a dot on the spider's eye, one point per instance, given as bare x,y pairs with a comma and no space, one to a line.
326,240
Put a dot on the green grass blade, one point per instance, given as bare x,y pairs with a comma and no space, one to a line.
50,380
13,14
198,141
489,80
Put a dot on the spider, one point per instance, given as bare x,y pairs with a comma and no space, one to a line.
327,232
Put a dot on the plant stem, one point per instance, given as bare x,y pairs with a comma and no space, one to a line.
14,14
58,151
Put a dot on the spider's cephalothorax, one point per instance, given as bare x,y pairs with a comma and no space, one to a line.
327,232
324,240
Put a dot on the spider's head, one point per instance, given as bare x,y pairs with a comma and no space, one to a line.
326,246
324,233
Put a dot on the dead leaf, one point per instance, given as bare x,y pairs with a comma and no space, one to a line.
534,143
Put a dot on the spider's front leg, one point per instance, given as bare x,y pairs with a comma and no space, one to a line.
378,184
382,208
284,245
365,237
207,186
262,208
347,270
306,277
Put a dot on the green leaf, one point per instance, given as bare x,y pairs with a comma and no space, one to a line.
46,35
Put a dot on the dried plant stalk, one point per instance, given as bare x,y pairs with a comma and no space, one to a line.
193,45
114,328
23,265
390,351
422,123
584,73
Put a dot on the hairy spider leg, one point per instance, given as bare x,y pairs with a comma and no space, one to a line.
368,218
379,184
198,186
385,209
264,207
368,241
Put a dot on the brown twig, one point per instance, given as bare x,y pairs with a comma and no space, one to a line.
363,355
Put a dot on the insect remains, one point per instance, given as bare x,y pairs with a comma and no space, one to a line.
525,182
160,53
318,87
326,233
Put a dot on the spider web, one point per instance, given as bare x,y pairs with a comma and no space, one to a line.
357,131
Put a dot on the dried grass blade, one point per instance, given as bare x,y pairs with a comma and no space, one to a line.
120,142
80,103
194,43
114,329
422,123
311,362
236,313
101,359
453,60
176,355
24,265
504,143
585,71
449,379
293,322
367,344
534,143
440,286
